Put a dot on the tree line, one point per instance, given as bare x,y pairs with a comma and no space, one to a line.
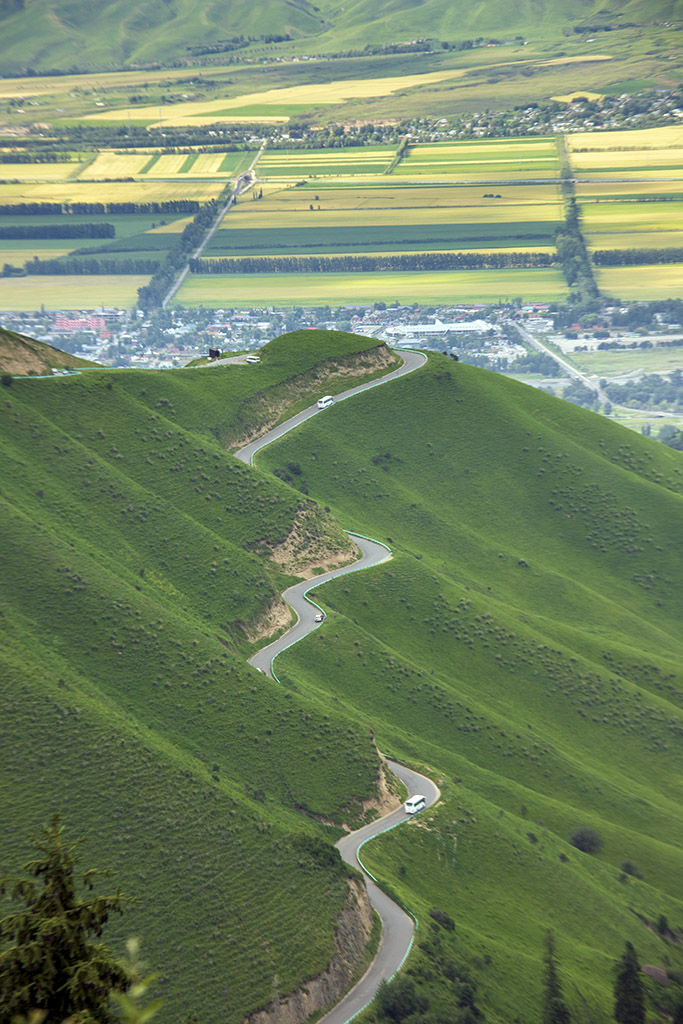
41,209
90,265
57,231
340,264
34,158
633,257
152,295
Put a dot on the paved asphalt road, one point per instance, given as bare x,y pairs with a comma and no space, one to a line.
397,926
412,360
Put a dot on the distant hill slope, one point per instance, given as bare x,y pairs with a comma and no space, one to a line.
22,355
65,33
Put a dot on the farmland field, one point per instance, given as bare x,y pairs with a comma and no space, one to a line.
642,282
334,289
110,191
69,292
39,172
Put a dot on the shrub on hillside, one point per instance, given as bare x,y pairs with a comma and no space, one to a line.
586,839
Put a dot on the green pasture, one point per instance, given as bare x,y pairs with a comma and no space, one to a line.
64,291
469,656
335,289
632,225
664,281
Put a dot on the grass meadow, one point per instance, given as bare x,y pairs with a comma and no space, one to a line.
137,551
515,520
66,291
663,281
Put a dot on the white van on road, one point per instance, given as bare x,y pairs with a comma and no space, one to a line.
414,804
323,403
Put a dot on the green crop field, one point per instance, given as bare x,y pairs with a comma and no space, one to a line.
64,291
663,281
632,225
285,289
515,520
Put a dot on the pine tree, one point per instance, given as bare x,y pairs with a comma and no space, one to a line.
629,994
555,1009
49,962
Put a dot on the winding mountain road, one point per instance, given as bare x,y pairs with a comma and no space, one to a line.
397,926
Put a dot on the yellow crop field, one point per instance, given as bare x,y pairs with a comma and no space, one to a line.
38,172
590,189
650,159
167,165
114,192
23,294
195,112
115,165
634,239
176,227
649,282
207,163
643,138
18,255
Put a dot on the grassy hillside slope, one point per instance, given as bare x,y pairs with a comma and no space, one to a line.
140,560
524,645
45,34
22,355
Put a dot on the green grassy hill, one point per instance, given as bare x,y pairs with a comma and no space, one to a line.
22,355
44,34
524,645
140,560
